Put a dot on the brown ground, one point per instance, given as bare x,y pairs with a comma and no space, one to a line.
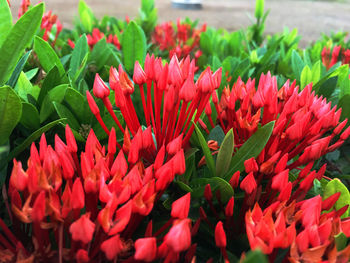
310,17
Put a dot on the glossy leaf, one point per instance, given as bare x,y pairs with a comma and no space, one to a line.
25,89
102,56
78,105
134,46
18,38
64,112
19,67
206,151
251,148
345,105
216,183
5,20
30,116
54,95
51,80
47,56
224,157
10,112
79,53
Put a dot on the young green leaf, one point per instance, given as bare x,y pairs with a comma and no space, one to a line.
79,106
5,20
255,256
18,38
134,46
224,157
251,148
10,112
64,112
47,56
86,16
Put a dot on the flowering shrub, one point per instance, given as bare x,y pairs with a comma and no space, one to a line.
136,179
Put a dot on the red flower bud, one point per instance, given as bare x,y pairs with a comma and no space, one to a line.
248,184
220,236
100,89
181,207
179,236
207,192
112,247
139,75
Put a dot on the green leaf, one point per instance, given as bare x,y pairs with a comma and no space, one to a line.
108,120
216,183
79,53
208,157
86,16
78,105
5,20
102,55
305,77
18,38
183,186
340,241
206,44
134,46
30,116
54,95
259,8
217,134
25,90
328,87
297,64
225,154
10,112
64,112
336,186
47,56
19,67
255,256
345,105
316,72
35,135
251,148
51,80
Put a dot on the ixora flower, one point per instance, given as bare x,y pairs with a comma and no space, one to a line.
180,41
306,228
170,88
99,199
96,36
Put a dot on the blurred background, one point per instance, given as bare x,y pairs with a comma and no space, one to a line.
310,17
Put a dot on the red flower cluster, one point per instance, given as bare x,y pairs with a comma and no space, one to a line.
48,21
181,41
169,88
306,227
96,36
100,200
305,124
338,54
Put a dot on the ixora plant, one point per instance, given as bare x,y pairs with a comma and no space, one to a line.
177,158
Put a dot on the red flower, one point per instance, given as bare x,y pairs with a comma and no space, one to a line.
179,236
146,249
82,229
112,247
